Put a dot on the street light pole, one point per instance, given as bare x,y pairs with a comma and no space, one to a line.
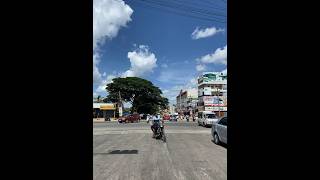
120,105
219,101
180,102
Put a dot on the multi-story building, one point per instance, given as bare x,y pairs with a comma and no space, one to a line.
172,108
212,92
187,102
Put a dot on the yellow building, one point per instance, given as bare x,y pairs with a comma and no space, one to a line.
104,110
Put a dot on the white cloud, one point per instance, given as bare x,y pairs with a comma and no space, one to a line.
165,91
142,62
203,33
172,93
193,81
96,73
164,65
224,71
128,73
108,17
201,67
218,57
103,84
171,76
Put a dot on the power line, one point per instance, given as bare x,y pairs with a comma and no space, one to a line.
202,3
184,8
183,12
179,13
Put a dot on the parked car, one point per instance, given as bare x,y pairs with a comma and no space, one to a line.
173,117
166,117
130,118
122,119
219,131
206,118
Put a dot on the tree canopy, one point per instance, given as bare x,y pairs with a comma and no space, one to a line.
142,94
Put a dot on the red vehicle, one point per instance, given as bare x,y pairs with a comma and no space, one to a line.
130,118
166,117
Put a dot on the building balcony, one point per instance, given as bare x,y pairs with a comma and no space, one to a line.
213,82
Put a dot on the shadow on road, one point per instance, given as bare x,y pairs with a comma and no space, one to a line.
221,144
119,152
124,152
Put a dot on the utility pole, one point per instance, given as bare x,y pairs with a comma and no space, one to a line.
218,98
120,105
219,101
180,102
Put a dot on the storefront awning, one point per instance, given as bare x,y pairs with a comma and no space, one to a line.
107,107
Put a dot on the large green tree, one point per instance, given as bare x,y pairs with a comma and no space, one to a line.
142,94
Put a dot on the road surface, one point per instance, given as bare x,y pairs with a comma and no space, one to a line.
128,152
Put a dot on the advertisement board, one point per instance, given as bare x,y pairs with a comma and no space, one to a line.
213,101
107,107
208,100
215,108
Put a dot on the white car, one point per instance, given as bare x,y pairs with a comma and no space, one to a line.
206,118
219,131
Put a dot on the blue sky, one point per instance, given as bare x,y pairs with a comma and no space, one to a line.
165,39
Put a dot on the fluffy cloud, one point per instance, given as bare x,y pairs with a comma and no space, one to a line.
103,84
172,76
165,91
203,33
108,17
193,82
201,67
142,62
96,73
224,71
218,57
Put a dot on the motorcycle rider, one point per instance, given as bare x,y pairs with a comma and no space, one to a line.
155,123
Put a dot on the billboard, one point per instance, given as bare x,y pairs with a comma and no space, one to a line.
213,101
107,107
208,100
215,108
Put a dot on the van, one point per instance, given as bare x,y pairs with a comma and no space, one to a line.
206,118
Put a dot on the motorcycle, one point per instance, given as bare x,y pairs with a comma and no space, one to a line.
159,133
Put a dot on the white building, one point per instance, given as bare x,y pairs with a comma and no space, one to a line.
212,92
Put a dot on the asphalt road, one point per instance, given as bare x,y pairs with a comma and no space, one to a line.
128,152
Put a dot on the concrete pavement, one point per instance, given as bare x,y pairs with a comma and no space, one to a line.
127,151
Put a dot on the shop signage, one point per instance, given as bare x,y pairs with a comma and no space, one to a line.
107,107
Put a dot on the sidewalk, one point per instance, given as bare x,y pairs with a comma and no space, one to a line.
103,120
